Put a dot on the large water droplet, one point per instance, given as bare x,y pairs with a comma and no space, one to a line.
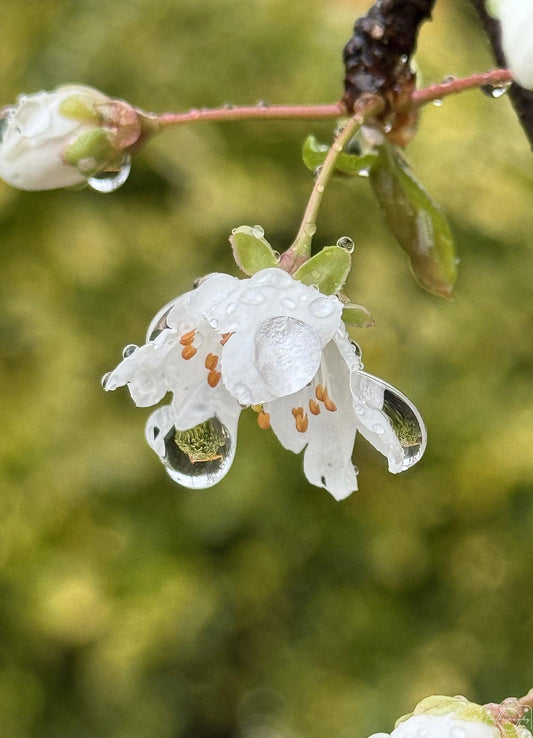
111,181
104,379
198,458
258,231
287,354
159,323
346,243
129,350
273,277
322,307
495,91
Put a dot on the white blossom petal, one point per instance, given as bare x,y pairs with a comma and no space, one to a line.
330,434
516,17
443,726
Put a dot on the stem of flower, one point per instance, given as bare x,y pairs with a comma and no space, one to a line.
368,106
261,111
454,86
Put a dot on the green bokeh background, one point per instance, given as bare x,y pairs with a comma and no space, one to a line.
261,608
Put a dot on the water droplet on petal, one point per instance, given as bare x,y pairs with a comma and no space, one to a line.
104,379
111,181
346,243
213,322
288,303
33,117
357,349
252,297
231,308
159,323
495,91
198,458
321,307
129,350
273,277
379,429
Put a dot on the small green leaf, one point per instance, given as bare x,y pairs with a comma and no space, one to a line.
416,220
251,250
327,270
357,316
314,154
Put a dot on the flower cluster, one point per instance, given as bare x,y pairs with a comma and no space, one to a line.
279,346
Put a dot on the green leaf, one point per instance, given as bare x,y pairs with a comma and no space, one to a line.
416,220
251,250
438,704
357,315
474,713
314,154
327,270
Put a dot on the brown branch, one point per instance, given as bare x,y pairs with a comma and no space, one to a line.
521,99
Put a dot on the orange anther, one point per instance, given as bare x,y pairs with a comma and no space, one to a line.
263,420
188,352
188,338
211,360
213,378
319,392
329,404
296,411
225,338
302,423
314,407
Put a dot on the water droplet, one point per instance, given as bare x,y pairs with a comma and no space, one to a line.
448,79
379,429
288,303
495,91
5,117
356,471
273,277
277,255
320,188
159,323
104,379
213,322
321,307
357,349
337,147
228,106
231,308
337,132
263,104
111,181
129,350
198,458
258,231
310,229
317,171
346,243
364,172
437,103
33,117
252,297
287,354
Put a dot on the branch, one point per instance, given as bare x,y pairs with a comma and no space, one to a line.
521,99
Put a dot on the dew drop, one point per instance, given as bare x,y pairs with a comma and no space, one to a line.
346,243
320,188
337,147
321,307
198,458
129,350
273,277
231,308
263,104
357,349
228,106
277,255
252,297
104,379
449,79
258,231
379,429
437,103
159,323
495,91
111,181
213,322
364,172
288,303
317,171
310,229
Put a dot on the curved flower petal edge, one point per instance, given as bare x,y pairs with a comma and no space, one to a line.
68,137
279,346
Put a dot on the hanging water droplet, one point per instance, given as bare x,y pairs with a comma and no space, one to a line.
111,181
437,103
263,104
364,172
198,458
495,91
228,106
129,350
346,243
159,323
277,255
104,379
258,231
322,307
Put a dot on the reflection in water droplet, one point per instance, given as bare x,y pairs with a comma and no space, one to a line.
346,243
495,91
405,425
111,181
129,350
321,307
379,429
198,458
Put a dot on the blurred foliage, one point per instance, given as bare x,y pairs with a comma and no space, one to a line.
131,608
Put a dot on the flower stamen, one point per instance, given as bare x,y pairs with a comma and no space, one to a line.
211,361
314,407
225,338
302,422
213,378
188,352
319,392
263,420
188,338
328,403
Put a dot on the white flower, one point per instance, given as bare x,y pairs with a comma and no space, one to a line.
440,726
280,346
516,17
61,138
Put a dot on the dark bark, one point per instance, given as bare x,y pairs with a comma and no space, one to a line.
521,99
376,58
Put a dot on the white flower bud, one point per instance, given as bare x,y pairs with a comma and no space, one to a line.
61,138
516,17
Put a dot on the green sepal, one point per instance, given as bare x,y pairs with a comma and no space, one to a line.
314,154
438,704
403,718
508,729
251,250
327,270
474,713
80,108
92,152
357,316
416,220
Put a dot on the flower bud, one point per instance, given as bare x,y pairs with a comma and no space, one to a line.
516,17
64,137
